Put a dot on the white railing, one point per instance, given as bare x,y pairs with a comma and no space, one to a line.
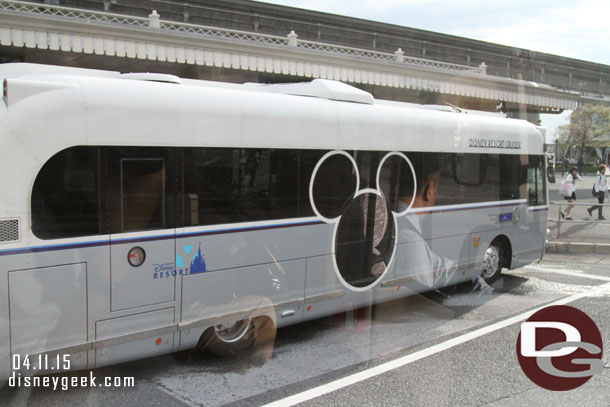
153,22
561,220
224,33
60,11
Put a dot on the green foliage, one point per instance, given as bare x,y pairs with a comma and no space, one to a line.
589,127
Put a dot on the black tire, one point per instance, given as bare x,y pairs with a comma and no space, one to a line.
492,263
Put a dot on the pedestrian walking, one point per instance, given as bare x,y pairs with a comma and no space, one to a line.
601,186
580,164
564,166
568,190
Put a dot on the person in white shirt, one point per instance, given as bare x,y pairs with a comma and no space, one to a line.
570,179
601,186
425,266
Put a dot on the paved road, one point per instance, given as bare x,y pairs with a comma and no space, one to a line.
480,370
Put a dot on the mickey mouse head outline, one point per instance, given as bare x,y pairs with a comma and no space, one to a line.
382,234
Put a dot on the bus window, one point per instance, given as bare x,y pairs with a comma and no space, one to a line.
226,185
510,176
470,169
140,188
536,193
65,195
142,194
466,178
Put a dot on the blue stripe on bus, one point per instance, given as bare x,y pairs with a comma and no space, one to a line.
538,209
66,246
463,208
63,246
247,229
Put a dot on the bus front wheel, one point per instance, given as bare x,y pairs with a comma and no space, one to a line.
492,264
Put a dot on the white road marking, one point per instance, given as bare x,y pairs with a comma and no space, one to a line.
405,360
567,272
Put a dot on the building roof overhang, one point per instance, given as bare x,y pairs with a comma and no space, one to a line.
35,25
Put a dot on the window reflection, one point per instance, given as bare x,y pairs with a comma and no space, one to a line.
142,194
97,190
65,196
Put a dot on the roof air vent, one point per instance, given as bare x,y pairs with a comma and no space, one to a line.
153,77
321,88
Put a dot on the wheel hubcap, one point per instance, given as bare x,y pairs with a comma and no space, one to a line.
232,332
491,262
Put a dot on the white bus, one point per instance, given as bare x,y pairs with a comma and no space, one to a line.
144,214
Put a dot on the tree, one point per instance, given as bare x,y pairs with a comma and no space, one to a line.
562,143
589,127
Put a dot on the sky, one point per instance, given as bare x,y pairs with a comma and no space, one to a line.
574,29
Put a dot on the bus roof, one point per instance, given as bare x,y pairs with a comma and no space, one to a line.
75,106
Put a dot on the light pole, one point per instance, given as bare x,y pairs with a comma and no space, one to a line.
574,151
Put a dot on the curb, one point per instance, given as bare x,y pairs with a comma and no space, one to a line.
577,248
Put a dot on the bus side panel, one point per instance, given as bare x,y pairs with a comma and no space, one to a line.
134,349
324,293
48,309
528,244
222,265
222,293
432,252
5,351
138,349
68,282
233,246
451,267
151,283
413,268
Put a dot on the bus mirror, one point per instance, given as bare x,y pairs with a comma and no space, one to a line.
550,174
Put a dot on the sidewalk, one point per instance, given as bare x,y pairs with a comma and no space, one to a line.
584,234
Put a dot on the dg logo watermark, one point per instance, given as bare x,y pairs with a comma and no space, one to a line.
560,348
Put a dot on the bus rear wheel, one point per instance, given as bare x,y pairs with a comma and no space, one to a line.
250,336
231,338
492,263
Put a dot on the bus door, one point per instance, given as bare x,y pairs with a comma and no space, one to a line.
142,217
532,229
